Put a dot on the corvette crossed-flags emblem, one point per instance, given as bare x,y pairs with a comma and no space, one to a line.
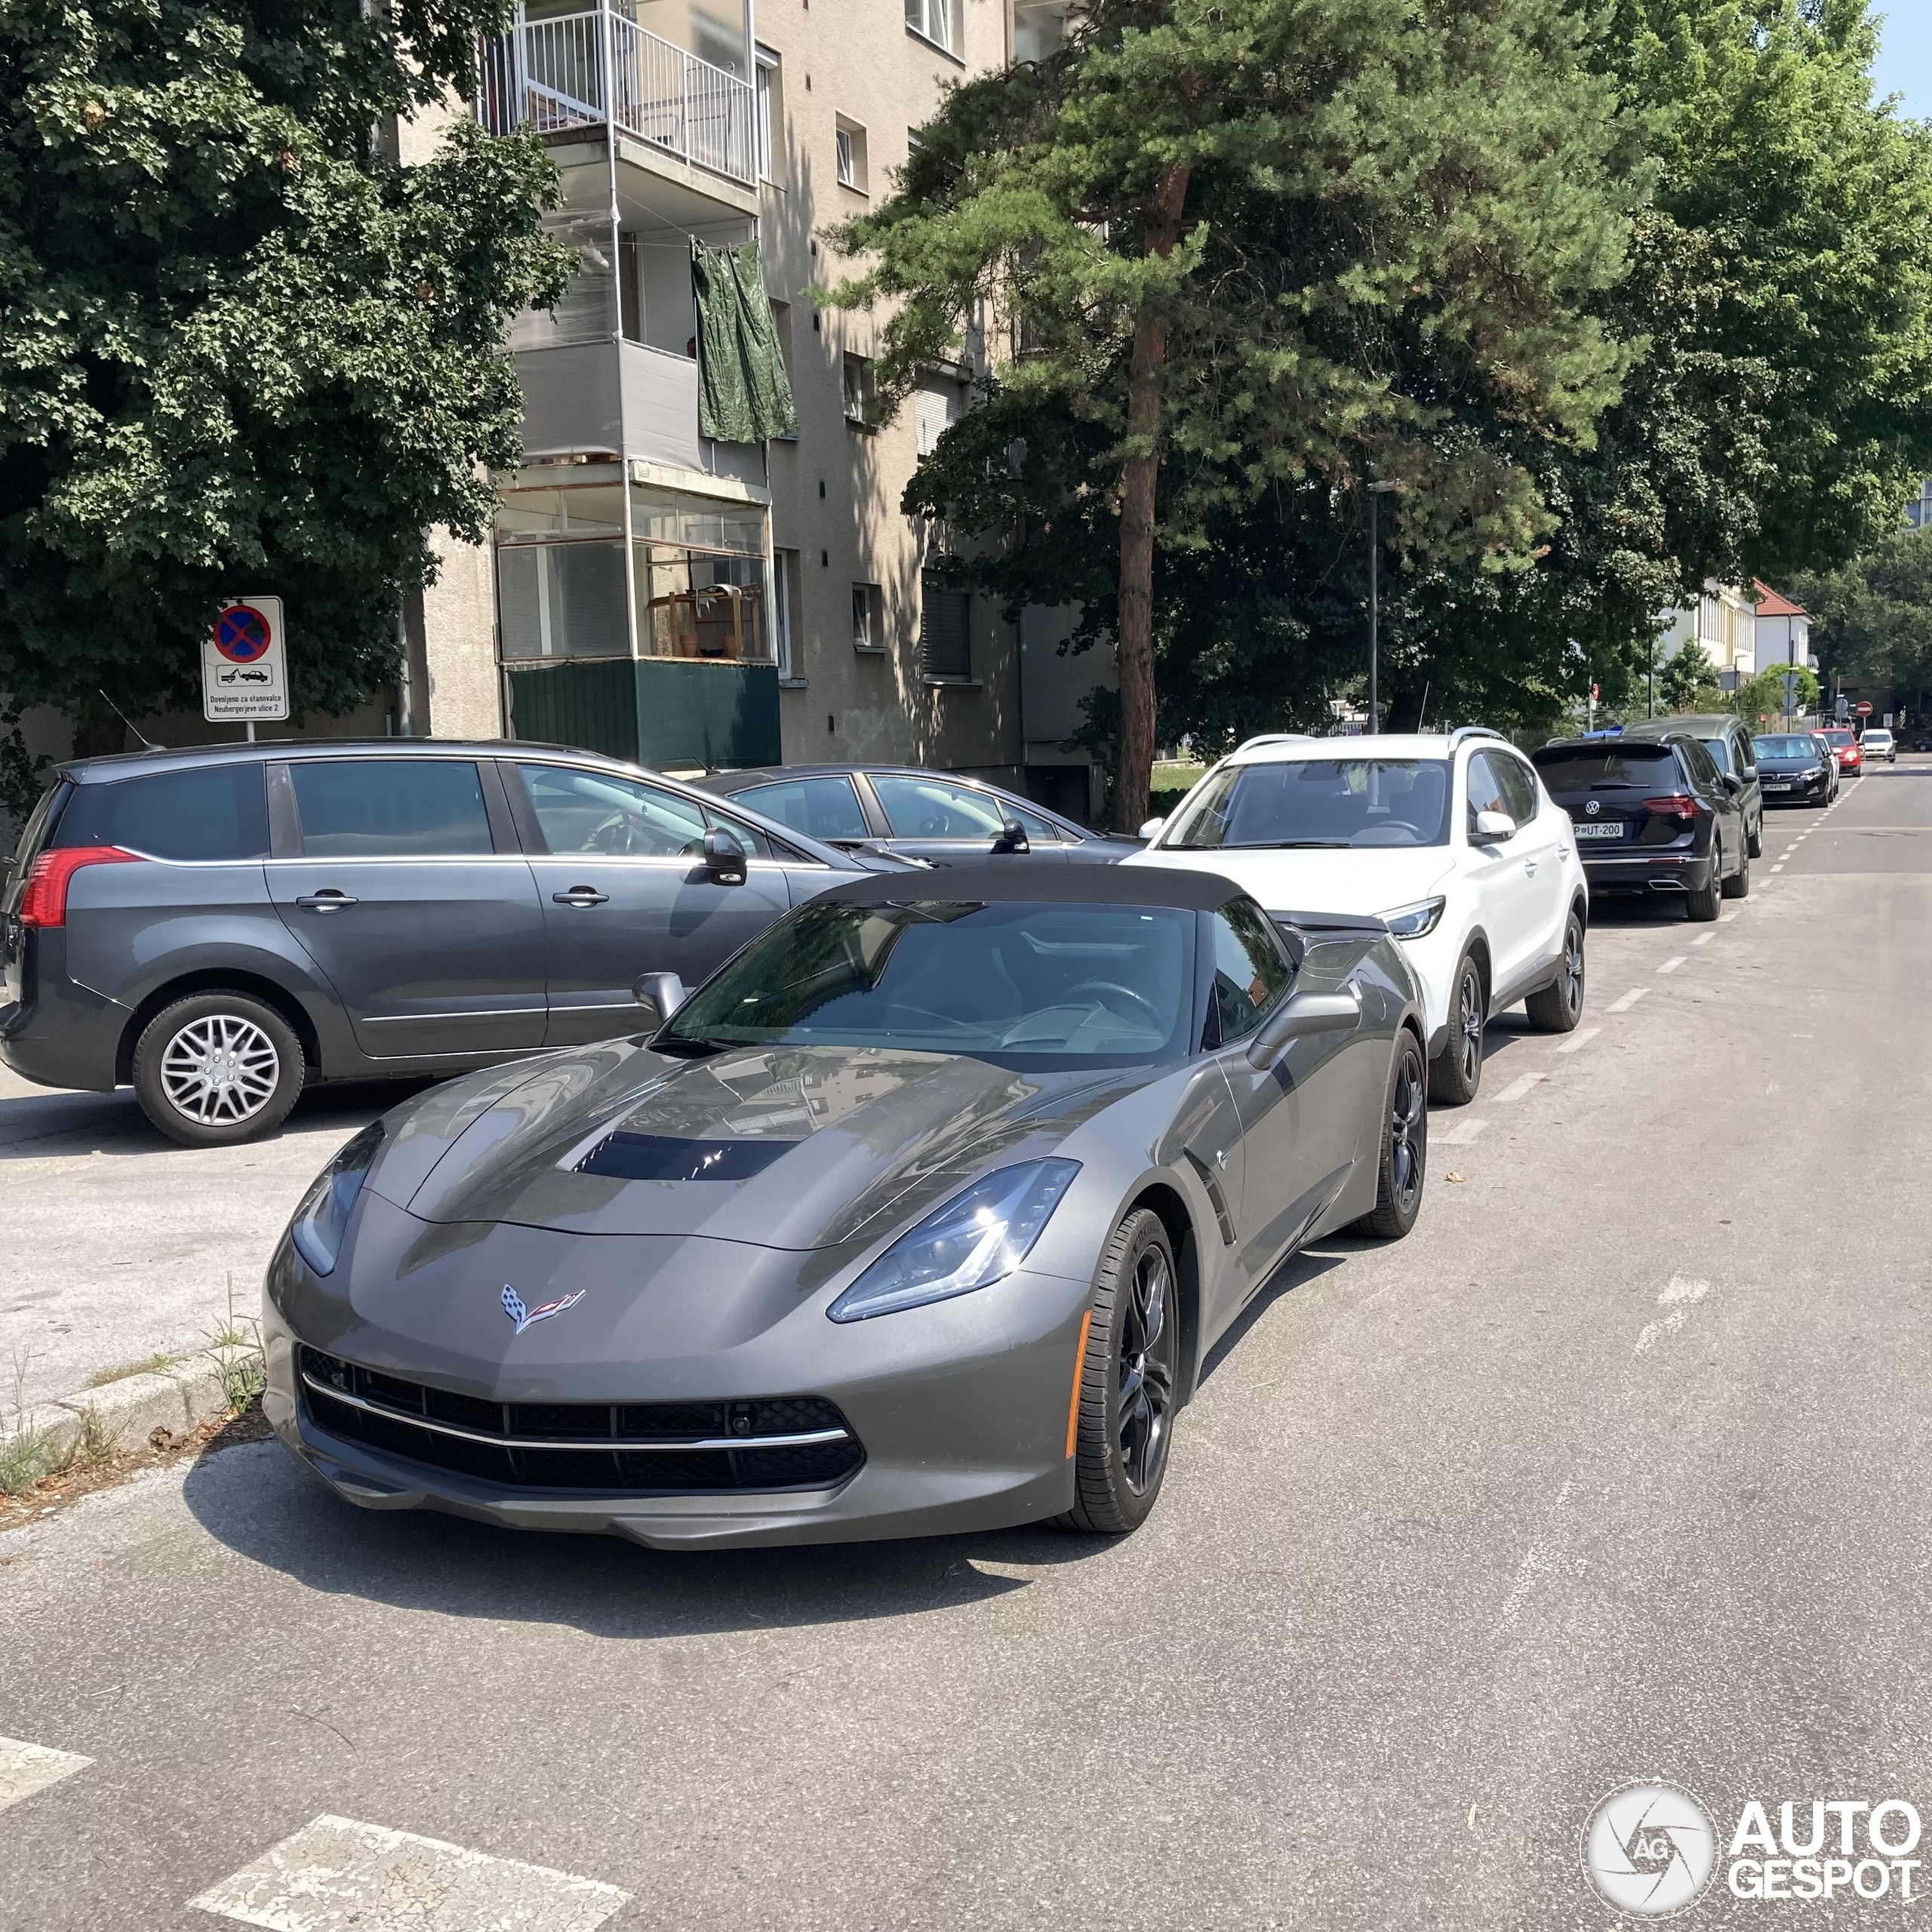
523,1316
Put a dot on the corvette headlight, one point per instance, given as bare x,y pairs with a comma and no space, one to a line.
1412,922
322,1218
973,1240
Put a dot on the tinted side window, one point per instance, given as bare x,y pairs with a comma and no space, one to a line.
1720,753
825,807
584,813
1702,771
390,807
928,808
1519,787
1251,971
1747,754
220,811
1486,791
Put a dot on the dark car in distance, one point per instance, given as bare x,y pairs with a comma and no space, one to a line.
1793,770
1651,816
221,927
938,817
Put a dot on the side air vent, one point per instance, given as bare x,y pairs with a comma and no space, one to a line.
627,1156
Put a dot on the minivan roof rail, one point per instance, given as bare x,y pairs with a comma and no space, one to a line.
1275,738
1463,732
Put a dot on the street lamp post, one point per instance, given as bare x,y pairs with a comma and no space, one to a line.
1376,492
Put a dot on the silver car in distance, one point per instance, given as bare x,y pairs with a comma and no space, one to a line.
919,1215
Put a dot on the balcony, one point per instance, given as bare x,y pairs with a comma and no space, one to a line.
552,75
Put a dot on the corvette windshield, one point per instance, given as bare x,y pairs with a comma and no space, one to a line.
1321,801
1029,987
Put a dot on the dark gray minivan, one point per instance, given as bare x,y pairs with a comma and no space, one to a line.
220,927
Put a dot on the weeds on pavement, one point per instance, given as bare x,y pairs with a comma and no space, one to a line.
236,1348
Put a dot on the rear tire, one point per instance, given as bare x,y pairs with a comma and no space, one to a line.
1123,1419
217,1068
1456,1072
1701,907
1755,846
1557,1008
1738,886
1403,1166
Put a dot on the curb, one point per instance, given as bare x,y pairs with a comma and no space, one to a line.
171,1403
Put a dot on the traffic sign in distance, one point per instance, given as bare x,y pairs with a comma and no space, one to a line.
245,664
242,634
1863,707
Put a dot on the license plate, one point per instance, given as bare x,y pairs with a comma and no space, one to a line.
1776,785
1586,829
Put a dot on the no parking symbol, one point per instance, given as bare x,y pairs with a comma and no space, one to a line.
245,664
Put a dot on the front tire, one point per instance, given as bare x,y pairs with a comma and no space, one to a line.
1457,1071
1754,847
1404,1164
1557,1008
1124,1417
217,1068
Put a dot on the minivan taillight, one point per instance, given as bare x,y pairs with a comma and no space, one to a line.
1680,804
45,901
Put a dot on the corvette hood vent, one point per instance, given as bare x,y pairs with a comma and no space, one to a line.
627,1156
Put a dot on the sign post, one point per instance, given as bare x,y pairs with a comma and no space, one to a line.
244,666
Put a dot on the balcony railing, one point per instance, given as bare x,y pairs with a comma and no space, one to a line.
550,75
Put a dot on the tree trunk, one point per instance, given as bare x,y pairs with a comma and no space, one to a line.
1140,476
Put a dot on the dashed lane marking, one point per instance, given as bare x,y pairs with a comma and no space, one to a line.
1671,964
1775,870
1680,1295
1703,939
1462,1134
26,1768
335,1874
1580,1039
1518,1087
1628,1000
1725,919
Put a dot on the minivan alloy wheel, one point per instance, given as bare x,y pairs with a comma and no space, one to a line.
219,1069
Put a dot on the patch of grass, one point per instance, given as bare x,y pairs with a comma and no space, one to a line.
236,1348
27,1455
154,1364
1174,775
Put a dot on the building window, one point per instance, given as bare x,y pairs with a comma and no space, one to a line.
1039,28
781,327
932,19
858,385
946,628
771,117
868,617
849,145
934,409
784,583
1918,511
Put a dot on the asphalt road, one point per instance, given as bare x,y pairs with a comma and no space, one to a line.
1615,1469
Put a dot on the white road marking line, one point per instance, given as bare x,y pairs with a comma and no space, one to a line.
27,1768
335,1874
1629,1000
1534,1563
1580,1039
1518,1087
1725,919
1671,964
1681,1294
1462,1134
1777,869
1703,939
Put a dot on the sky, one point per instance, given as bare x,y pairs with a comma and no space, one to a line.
1905,55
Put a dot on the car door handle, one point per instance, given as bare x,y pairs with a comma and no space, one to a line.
328,900
579,895
1530,866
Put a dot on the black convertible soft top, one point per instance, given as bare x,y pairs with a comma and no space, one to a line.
1023,881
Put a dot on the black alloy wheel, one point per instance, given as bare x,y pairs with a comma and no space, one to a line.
1129,1373
1457,1071
1405,1161
1700,904
1738,886
1753,846
1557,1007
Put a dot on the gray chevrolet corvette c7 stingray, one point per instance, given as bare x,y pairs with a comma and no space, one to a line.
919,1215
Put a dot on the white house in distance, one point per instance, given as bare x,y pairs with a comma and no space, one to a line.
1783,631
1722,620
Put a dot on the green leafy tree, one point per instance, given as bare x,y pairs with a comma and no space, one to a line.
1688,680
1249,250
1872,621
244,351
1760,700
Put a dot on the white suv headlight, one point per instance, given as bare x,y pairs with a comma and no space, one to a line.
1412,921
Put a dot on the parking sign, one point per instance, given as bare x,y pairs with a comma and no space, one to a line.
245,664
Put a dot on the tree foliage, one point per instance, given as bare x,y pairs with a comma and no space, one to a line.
1260,251
1872,621
244,351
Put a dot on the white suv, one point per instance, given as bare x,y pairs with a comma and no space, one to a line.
1449,839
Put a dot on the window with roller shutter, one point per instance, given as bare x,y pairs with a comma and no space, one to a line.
945,627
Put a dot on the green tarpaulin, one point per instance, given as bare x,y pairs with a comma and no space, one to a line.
743,393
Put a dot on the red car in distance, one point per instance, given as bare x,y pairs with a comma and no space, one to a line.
1845,749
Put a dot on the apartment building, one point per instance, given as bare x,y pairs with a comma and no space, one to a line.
676,579
1724,621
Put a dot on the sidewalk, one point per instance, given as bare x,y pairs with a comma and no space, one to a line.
116,1244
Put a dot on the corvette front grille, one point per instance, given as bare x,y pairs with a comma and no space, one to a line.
780,1442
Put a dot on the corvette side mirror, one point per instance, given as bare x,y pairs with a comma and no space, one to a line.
1494,826
1150,829
660,994
1012,837
1303,1014
723,857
